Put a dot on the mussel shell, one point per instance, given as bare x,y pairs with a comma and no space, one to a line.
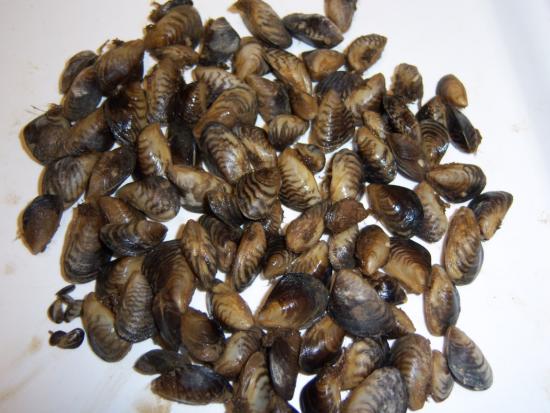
289,69
111,281
342,82
119,65
92,133
365,51
466,362
229,308
182,24
71,340
224,206
322,62
99,324
183,148
40,221
457,182
217,80
311,156
400,118
410,263
434,109
162,85
192,384
356,306
321,345
110,171
161,10
376,122
74,65
435,141
117,211
56,311
384,390
249,59
254,392
314,262
341,248
224,239
134,238
192,103
442,380
277,258
261,153
389,290
344,214
160,361
180,54
272,96
403,325
372,249
412,356
451,90
283,130
303,104
299,188
283,363
322,393
295,302
272,223
257,192
304,231
313,29
434,223
362,358
463,135
407,83
238,348
153,152
397,207
219,42
264,24
462,249
378,164
346,176
249,256
367,96
199,253
409,155
83,95
490,208
202,336
341,12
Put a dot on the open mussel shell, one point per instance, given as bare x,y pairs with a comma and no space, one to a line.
400,117
238,348
451,90
397,207
119,65
345,173
110,171
457,182
304,231
229,308
356,307
202,336
441,302
314,262
257,192
283,362
412,356
442,380
263,23
372,249
249,59
99,324
341,248
410,263
295,302
70,340
159,361
434,223
409,155
261,153
434,109
344,214
75,64
299,188
83,95
462,249
322,393
378,162
407,83
341,12
321,345
272,96
322,62
219,42
462,133
466,362
435,141
289,69
134,238
490,208
365,51
313,29
251,251
40,221
153,151
199,253
384,390
192,384
180,25
224,239
284,129
361,358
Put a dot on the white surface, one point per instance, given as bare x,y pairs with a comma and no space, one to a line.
497,48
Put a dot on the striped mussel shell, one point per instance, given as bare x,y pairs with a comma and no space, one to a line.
346,176
341,12
299,188
75,64
224,238
341,248
283,358
441,302
217,79
248,260
407,83
153,151
401,119
435,141
365,51
180,25
457,182
312,156
434,223
442,380
322,62
313,29
254,391
321,345
372,249
304,231
314,262
257,191
249,59
272,96
219,42
110,171
83,95
409,155
378,162
490,208
229,308
238,349
199,253
122,63
284,130
368,96
361,358
341,81
134,238
162,85
409,263
261,153
289,69
192,102
202,336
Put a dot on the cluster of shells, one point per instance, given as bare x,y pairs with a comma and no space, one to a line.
196,146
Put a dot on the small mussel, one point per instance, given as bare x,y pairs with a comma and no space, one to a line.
304,231
272,96
397,207
76,64
71,340
361,358
202,336
220,41
312,156
321,345
229,308
283,362
254,391
120,64
389,290
199,253
90,134
462,133
451,90
112,280
192,103
342,82
356,306
434,223
341,248
462,250
466,362
322,62
435,141
277,258
110,171
160,361
40,221
341,12
192,384
412,356
403,325
117,211
295,301
249,59
372,249
182,24
365,51
180,54
434,109
314,262
83,96
284,129
490,208
384,390
322,393
409,155
289,69
303,104
247,263
346,176
442,380
162,85
224,239
261,153
400,117
134,238
457,182
238,348
153,151
410,263
441,302
368,96
313,29
344,214
224,206
407,83
299,188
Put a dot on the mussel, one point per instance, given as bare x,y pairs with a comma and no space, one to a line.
40,221
410,263
313,29
490,208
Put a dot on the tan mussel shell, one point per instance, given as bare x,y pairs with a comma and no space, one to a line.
110,171
344,214
303,104
314,262
40,221
238,348
457,182
289,69
111,281
202,336
435,141
341,12
322,393
283,130
254,393
341,248
372,249
180,25
229,308
304,231
199,253
379,164
313,29
117,211
345,175
365,51
217,79
134,238
442,380
219,42
193,102
261,153
249,59
434,223
400,118
153,152
451,90
249,255
361,358
409,263
162,85
407,83
123,62
311,156
224,239
322,62
367,96
490,208
182,55
278,258
434,109
83,96
257,192
272,95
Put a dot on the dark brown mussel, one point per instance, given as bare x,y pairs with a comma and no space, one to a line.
249,59
283,130
122,63
403,324
410,263
192,384
457,182
314,262
322,62
45,135
162,85
40,221
76,64
312,156
126,113
299,188
272,96
372,249
434,223
219,42
99,324
110,171
202,336
183,147
334,124
289,69
193,184
409,155
56,311
451,90
182,55
389,289
111,281
434,109
283,362
401,119
490,208
441,302
68,177
313,29
384,390
225,154
356,306
254,392
435,141
379,165
224,238
345,176
321,345
153,152
180,25
295,302
117,211
467,364
199,253
70,340
303,104
247,263
361,358
192,103
397,207
365,51
134,317
342,82
368,96
229,308
83,95
277,258
155,196
161,10
442,380
217,80
407,83
341,248
341,12
304,231
463,134
238,348
322,393
159,361
263,23
412,356
344,214
134,238
462,249
92,133
84,254
257,192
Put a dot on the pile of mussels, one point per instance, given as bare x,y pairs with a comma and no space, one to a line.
213,160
